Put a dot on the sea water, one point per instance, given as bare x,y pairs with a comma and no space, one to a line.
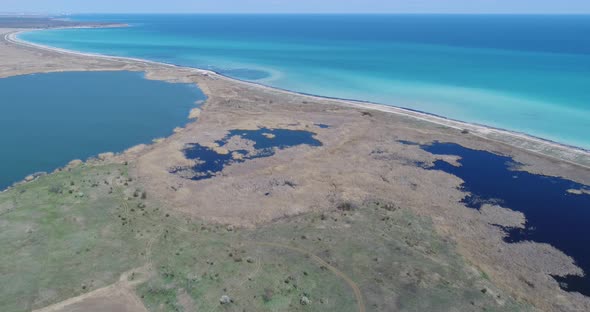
524,73
46,120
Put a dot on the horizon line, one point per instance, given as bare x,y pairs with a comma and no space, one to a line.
294,13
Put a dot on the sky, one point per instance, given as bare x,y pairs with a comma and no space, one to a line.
297,6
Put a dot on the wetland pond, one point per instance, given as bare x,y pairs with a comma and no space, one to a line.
554,215
265,142
47,120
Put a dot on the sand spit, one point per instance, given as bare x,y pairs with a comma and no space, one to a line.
547,148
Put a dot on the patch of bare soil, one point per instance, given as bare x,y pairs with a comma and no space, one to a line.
119,297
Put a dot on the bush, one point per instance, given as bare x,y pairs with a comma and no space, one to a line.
55,189
346,206
267,296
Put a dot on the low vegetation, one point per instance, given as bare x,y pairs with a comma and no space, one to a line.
69,233
62,235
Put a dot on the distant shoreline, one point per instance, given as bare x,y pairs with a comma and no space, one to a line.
479,130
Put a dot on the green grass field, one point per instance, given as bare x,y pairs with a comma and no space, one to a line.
61,236
69,233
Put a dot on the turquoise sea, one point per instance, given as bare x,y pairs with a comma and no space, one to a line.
46,120
518,72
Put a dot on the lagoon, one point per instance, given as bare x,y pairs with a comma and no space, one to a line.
46,120
526,73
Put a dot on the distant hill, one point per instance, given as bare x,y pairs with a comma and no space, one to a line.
35,21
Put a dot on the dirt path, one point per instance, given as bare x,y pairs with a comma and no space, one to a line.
357,291
355,288
96,300
126,287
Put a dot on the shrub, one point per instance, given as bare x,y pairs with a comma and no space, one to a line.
346,206
55,189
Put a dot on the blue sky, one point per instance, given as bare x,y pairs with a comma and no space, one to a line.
298,6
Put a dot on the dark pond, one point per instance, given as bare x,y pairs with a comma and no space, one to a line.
266,143
323,126
553,215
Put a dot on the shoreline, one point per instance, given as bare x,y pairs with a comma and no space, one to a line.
479,130
362,161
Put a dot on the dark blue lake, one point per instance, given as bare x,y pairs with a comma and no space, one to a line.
554,216
266,143
46,120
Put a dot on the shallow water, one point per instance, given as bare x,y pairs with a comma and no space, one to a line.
523,73
46,120
553,215
266,142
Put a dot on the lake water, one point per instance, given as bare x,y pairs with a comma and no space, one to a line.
46,120
554,216
265,143
518,72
